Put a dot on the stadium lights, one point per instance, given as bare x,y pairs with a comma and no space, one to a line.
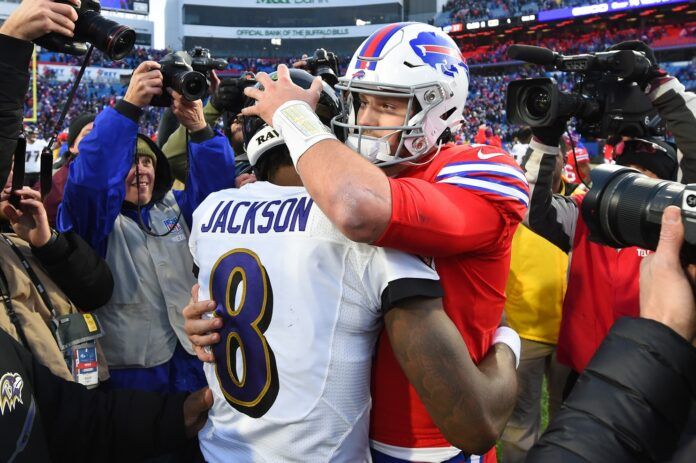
360,22
277,41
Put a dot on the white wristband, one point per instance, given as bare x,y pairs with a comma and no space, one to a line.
509,337
300,127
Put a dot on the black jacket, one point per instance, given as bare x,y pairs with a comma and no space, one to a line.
631,404
46,419
78,270
15,55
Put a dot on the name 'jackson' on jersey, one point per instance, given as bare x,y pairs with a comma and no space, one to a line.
302,308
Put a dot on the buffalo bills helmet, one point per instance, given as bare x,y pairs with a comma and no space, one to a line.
414,61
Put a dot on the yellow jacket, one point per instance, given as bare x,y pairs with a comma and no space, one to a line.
536,287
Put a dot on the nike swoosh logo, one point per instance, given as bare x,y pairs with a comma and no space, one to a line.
489,156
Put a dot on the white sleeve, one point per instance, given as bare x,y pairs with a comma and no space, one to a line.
393,276
195,231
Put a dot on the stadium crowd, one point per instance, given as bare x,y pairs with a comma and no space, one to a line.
229,279
472,10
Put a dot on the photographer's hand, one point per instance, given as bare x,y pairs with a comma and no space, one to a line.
189,113
35,18
276,93
666,290
30,221
145,83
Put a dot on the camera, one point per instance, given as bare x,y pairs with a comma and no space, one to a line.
324,64
113,39
604,101
178,74
202,62
624,208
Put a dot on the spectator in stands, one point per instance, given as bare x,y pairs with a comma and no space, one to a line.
80,127
535,290
118,198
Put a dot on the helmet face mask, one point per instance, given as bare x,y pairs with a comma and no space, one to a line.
409,60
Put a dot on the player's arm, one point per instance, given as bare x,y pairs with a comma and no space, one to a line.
470,404
550,215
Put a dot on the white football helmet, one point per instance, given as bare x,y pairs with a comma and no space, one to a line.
411,60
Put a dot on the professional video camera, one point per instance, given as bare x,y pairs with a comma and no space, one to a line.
324,64
203,62
115,40
624,208
178,74
604,101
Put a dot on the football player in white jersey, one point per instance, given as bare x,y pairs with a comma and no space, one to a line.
300,307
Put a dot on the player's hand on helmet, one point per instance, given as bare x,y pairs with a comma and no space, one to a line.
189,113
229,95
550,135
276,93
145,83
201,331
637,45
666,288
35,18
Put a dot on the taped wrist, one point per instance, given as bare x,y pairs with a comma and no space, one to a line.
300,127
510,338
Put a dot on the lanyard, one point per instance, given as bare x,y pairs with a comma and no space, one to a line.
7,300
32,275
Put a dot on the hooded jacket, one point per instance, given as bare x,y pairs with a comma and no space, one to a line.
153,274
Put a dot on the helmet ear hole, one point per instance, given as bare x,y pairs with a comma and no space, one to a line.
446,136
446,115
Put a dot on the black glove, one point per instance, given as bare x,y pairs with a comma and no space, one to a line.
230,95
550,135
636,45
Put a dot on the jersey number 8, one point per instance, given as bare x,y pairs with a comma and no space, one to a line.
246,319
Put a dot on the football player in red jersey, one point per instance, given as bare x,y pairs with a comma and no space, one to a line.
398,183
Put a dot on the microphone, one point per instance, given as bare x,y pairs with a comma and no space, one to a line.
531,54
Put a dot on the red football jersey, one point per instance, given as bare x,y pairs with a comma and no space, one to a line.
461,209
602,286
570,170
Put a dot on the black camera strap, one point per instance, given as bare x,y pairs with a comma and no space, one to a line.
32,275
46,154
7,301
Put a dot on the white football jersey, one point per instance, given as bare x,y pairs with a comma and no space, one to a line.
33,159
302,307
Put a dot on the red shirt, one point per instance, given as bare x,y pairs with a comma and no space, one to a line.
462,208
602,286
570,170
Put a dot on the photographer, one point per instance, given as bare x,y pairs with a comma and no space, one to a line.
602,281
45,416
119,199
226,101
632,402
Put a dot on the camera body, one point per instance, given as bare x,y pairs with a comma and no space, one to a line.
178,74
605,99
203,62
113,39
324,64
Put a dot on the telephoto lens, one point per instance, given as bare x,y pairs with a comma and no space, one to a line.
624,208
114,39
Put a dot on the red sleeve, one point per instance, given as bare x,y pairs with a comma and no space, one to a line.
439,219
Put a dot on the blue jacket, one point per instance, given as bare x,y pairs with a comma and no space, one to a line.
95,191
